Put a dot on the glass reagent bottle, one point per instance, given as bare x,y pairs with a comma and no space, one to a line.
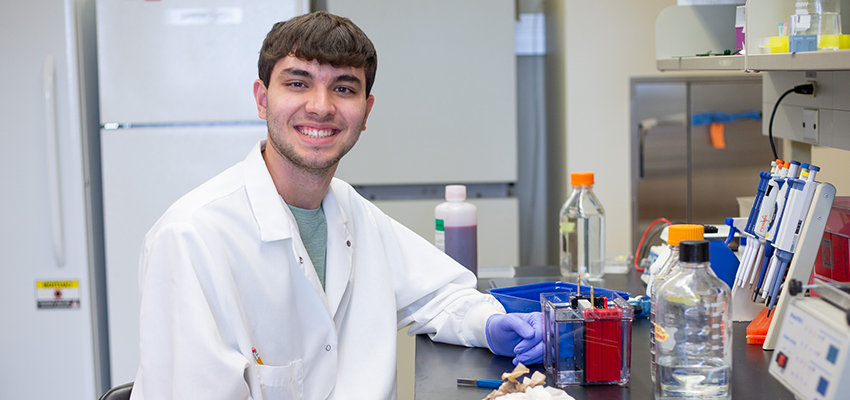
693,335
669,267
582,231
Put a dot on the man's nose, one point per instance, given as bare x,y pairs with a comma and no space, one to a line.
320,103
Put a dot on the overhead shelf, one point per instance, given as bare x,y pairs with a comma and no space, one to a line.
725,63
810,61
682,32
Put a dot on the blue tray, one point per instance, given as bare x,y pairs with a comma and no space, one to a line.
526,298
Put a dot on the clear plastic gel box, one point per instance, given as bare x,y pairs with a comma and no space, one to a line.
587,344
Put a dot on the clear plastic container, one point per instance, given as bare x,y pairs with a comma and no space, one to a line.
694,332
456,231
582,231
675,234
585,344
818,17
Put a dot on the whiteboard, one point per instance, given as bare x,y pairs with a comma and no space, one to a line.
445,92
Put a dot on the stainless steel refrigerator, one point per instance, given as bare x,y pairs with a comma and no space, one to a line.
52,337
176,109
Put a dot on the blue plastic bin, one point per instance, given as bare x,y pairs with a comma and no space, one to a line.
526,298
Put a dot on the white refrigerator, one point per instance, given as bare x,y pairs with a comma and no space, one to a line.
176,109
52,335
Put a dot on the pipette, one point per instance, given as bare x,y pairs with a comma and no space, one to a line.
799,201
772,183
768,230
750,238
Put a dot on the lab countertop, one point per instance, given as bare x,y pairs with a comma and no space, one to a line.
439,365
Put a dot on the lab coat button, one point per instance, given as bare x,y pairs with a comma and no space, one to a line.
301,260
328,348
348,243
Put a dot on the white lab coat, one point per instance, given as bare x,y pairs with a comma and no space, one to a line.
225,270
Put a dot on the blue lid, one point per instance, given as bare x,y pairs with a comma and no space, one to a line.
814,168
805,165
795,162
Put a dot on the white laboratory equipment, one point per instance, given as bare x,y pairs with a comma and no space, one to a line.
175,110
811,355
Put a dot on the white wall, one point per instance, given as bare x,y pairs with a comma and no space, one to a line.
833,168
607,42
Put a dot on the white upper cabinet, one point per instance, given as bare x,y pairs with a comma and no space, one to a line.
682,32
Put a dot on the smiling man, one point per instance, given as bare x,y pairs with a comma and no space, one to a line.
275,280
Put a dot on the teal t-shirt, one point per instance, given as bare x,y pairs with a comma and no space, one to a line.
314,233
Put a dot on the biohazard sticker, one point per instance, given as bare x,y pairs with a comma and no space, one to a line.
57,294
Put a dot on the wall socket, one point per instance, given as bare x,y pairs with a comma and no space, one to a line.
810,125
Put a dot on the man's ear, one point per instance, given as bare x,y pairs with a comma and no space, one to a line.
369,103
261,97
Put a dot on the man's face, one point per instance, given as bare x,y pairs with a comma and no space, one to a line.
314,112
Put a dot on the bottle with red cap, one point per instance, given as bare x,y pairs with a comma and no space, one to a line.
582,231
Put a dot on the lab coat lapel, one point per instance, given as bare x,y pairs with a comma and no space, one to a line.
274,218
338,266
270,213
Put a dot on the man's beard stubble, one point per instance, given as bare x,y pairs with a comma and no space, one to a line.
288,153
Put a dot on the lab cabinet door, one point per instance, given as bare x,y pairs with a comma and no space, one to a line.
660,165
682,171
721,172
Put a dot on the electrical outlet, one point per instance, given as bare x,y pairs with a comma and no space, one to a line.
810,125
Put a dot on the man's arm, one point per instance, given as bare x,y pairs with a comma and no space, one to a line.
450,309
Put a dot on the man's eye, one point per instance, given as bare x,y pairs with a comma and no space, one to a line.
343,89
297,84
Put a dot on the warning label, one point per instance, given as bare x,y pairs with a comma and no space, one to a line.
57,294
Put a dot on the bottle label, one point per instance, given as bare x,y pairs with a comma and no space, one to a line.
660,334
567,227
440,235
686,300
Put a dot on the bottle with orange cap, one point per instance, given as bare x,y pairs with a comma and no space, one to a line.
582,231
693,332
675,234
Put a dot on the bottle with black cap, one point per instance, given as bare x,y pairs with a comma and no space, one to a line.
693,332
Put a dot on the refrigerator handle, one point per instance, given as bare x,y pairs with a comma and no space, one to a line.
54,192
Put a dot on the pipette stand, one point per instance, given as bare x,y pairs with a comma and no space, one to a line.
804,258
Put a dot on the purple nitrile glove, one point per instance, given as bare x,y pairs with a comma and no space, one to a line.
517,335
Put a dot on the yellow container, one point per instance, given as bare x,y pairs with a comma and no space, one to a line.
828,42
844,42
778,44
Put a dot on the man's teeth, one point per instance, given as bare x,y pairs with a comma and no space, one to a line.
316,133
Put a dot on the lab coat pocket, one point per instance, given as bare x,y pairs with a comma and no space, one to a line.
282,382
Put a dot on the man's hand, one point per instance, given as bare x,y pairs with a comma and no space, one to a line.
518,335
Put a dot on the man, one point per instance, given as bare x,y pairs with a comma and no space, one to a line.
275,280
